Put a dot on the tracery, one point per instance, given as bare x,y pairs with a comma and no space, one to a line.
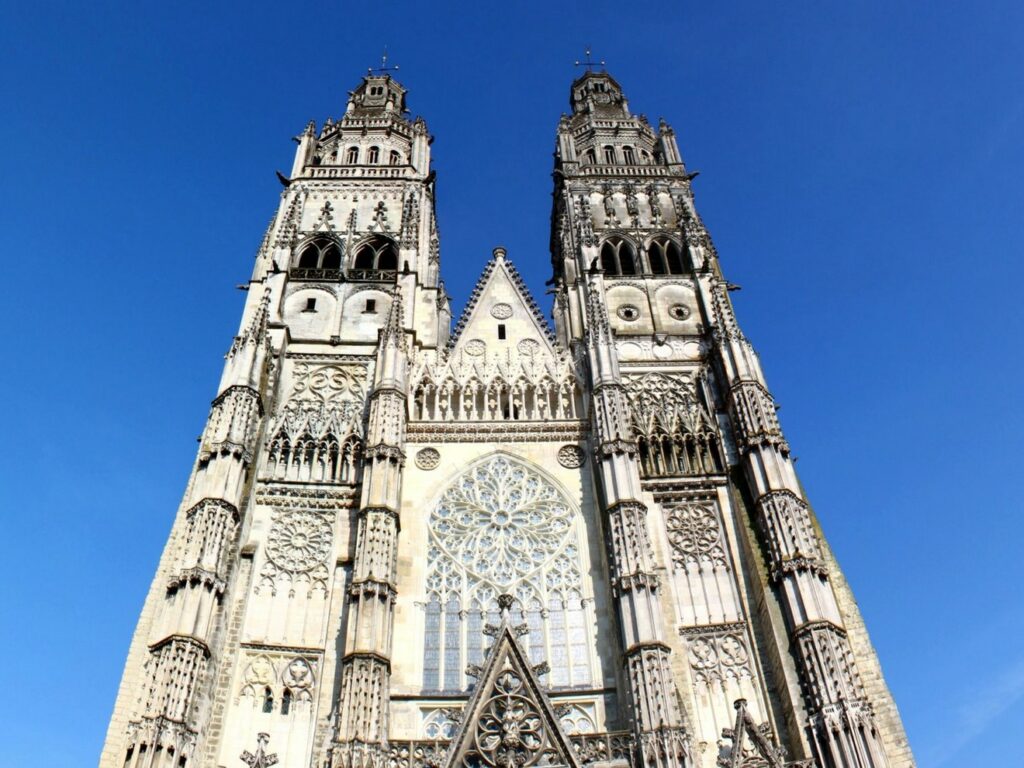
675,431
528,387
503,528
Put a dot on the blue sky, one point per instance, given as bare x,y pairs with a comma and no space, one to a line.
861,175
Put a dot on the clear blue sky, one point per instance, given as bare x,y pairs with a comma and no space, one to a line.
861,175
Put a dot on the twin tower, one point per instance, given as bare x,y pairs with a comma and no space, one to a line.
500,545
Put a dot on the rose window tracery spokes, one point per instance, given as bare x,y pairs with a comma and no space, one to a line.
501,522
695,536
510,732
502,527
299,541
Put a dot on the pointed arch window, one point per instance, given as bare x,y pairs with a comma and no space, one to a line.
665,257
373,156
352,155
376,259
319,259
502,528
618,257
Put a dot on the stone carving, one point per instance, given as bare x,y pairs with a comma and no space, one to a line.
576,719
571,456
508,721
501,311
475,347
441,723
718,657
510,731
528,347
318,436
298,547
676,432
299,541
502,521
628,312
496,387
428,458
261,759
695,535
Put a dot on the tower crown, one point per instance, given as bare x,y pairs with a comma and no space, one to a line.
598,93
375,95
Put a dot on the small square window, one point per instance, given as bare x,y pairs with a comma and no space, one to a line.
371,306
310,305
501,331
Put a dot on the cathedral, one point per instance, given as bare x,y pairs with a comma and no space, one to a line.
501,543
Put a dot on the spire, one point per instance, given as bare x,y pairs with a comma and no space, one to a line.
509,720
393,332
255,331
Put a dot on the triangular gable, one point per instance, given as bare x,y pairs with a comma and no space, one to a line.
501,296
508,720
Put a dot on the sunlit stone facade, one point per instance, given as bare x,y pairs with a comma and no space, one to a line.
503,544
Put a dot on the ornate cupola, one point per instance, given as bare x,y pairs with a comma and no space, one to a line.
598,93
377,94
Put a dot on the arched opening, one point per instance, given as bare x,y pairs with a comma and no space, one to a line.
591,157
310,257
331,257
286,702
375,258
618,257
373,156
609,154
395,158
629,156
665,257
268,700
352,155
319,259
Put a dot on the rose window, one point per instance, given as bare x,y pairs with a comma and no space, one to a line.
501,522
501,527
299,541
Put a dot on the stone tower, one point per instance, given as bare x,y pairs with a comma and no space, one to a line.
504,546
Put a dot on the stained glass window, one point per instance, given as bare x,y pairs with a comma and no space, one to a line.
501,528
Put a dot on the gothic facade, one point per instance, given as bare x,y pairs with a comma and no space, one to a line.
503,544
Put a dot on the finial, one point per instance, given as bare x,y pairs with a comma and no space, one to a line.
589,63
499,252
383,68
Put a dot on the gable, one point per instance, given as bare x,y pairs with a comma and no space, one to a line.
509,721
500,306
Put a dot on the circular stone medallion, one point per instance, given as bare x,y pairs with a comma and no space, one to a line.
475,347
428,458
571,456
528,347
628,312
501,311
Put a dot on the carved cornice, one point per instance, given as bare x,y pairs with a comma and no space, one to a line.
497,432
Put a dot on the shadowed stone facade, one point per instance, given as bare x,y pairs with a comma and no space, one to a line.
504,544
